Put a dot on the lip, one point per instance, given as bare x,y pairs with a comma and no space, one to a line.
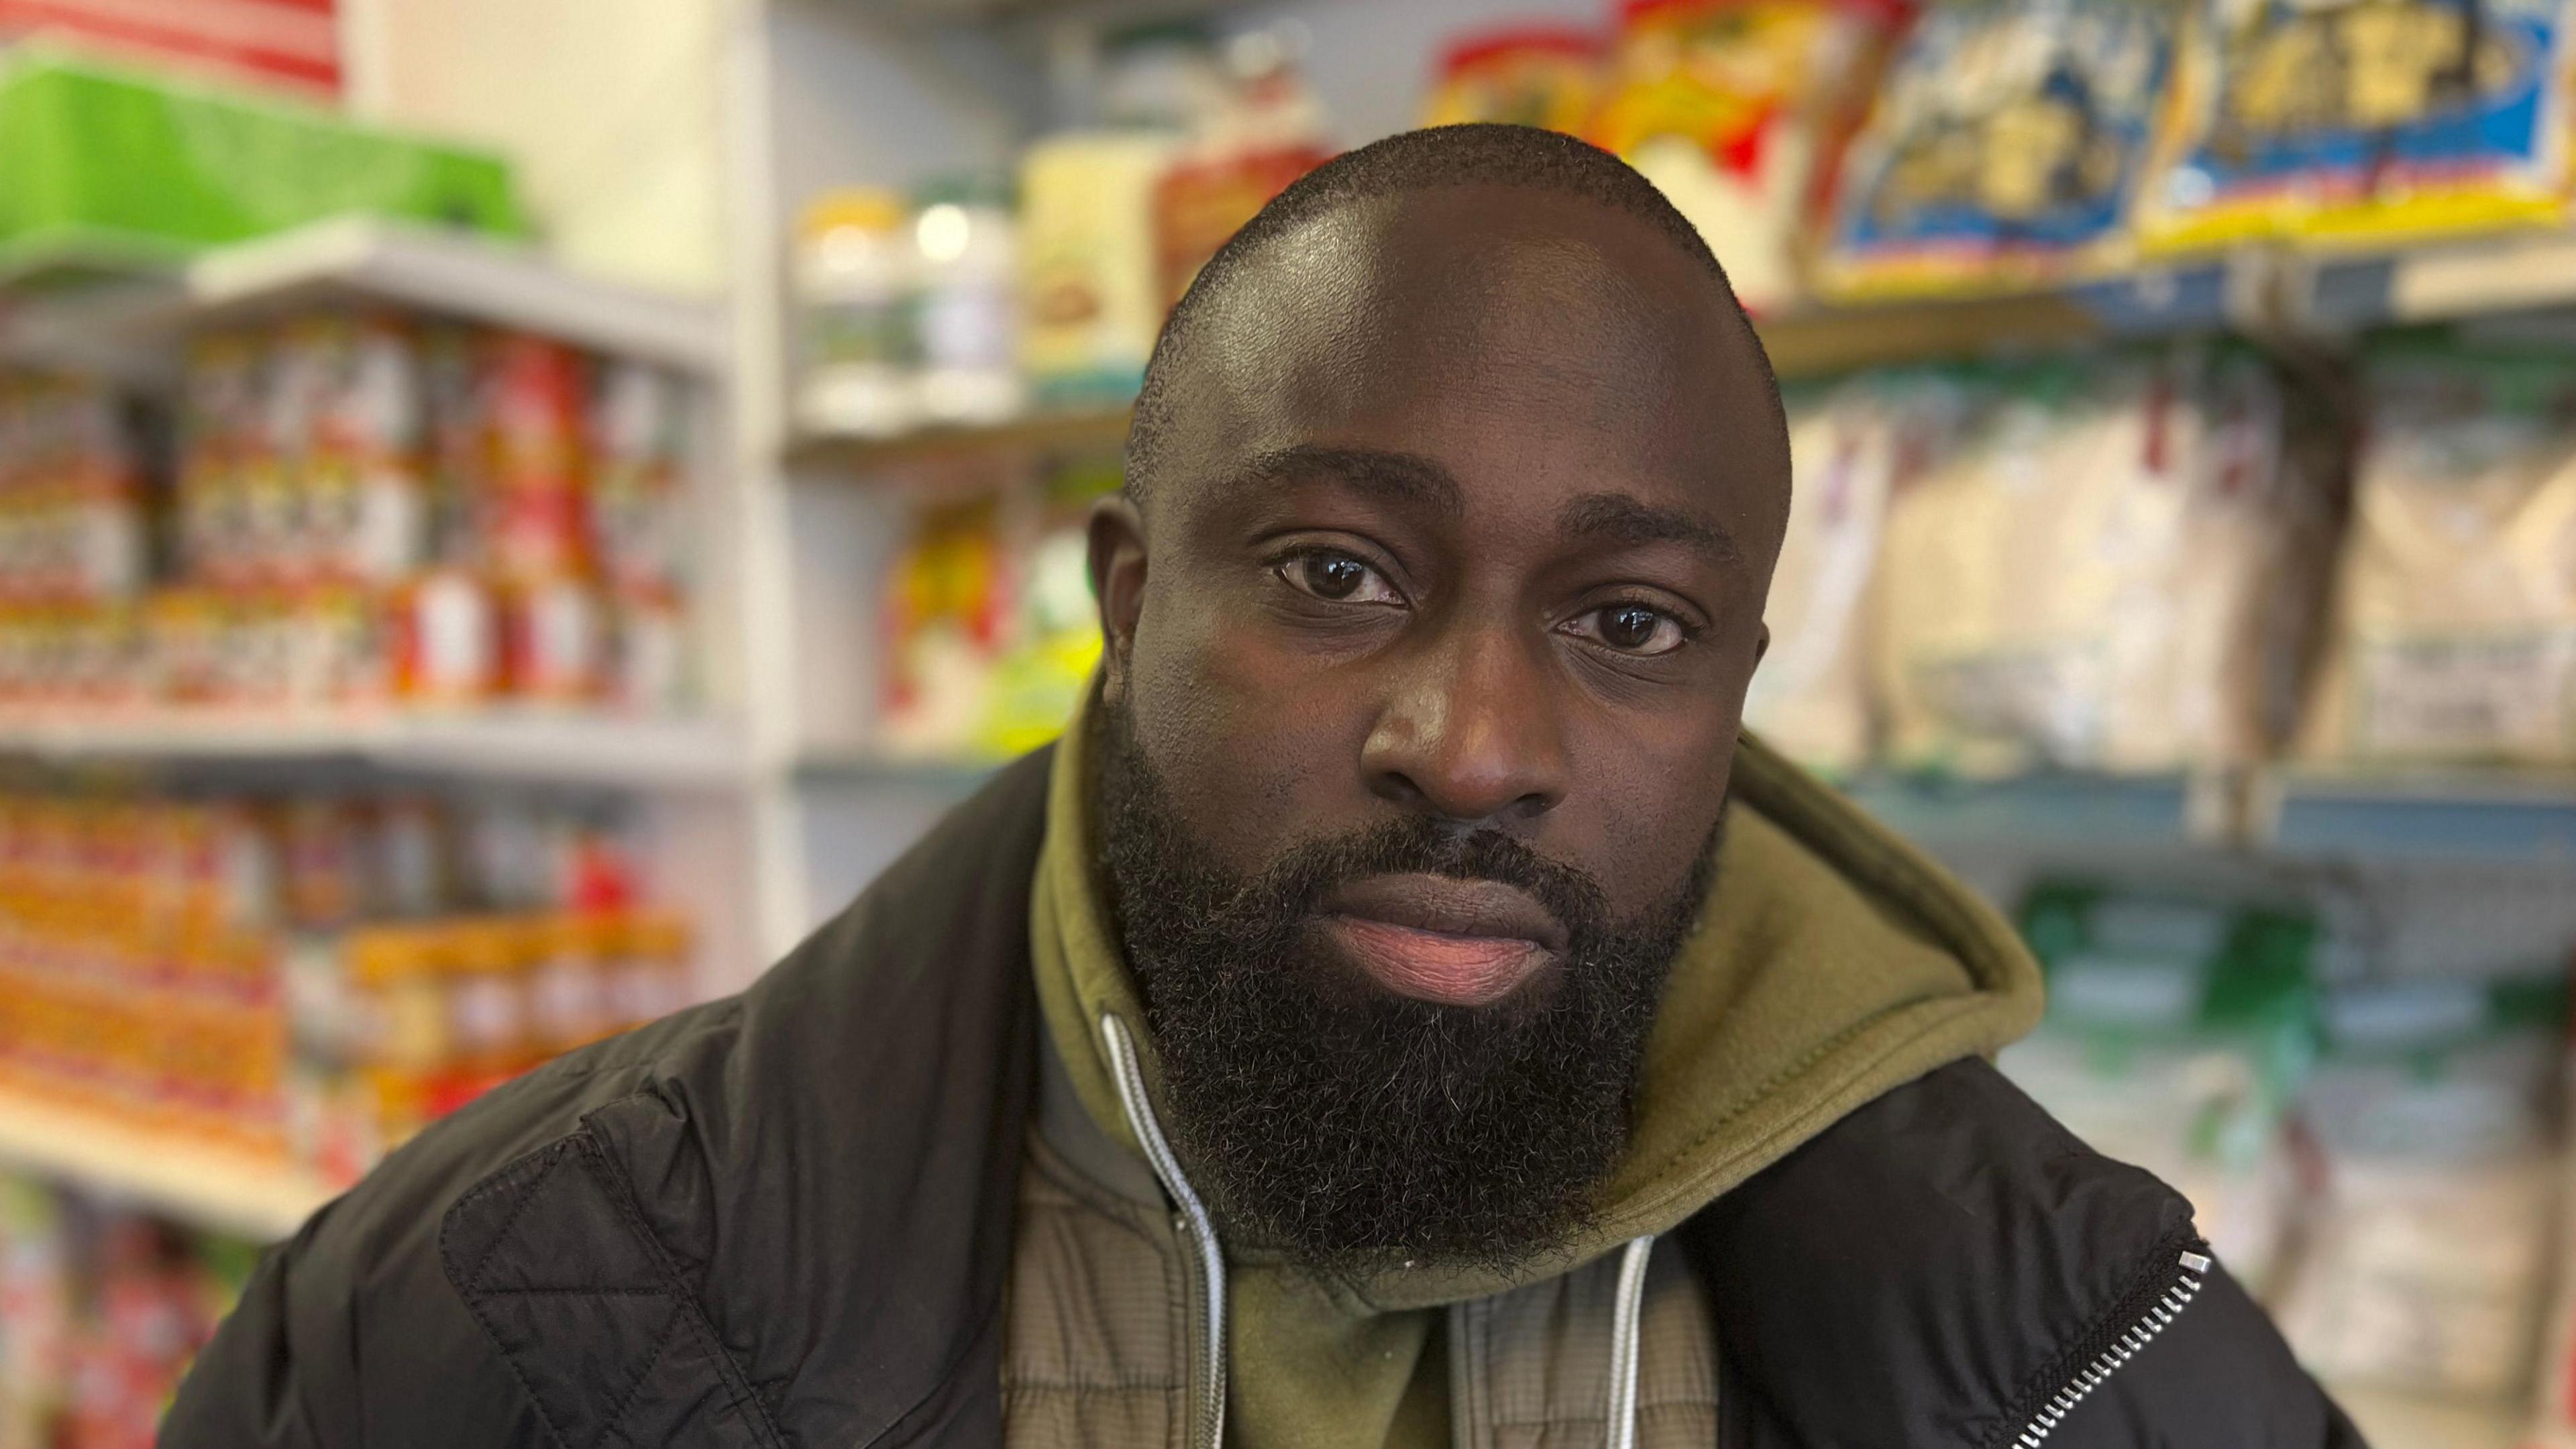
1454,942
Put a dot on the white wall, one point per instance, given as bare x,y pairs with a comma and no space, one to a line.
612,111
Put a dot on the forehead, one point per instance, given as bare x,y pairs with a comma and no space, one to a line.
1507,333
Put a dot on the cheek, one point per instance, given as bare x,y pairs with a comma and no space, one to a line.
1660,797
1254,748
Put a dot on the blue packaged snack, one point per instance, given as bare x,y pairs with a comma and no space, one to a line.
2003,150
2362,121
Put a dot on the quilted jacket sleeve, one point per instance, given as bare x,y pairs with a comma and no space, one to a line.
346,1336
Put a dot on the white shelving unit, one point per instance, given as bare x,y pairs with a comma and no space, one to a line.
698,783
189,1181
458,275
573,748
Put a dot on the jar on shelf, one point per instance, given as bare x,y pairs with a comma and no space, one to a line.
1090,298
648,971
487,1017
853,273
967,321
397,1008
567,995
552,640
445,637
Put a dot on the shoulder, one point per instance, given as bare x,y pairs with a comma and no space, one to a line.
756,1071
620,1201
1953,1244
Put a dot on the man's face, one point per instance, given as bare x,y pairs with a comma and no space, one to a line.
1427,659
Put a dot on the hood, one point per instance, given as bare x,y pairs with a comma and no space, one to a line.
1833,962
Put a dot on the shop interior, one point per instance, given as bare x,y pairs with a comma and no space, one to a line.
512,511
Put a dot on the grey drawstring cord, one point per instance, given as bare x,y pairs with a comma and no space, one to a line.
1627,1311
1628,1305
1149,1133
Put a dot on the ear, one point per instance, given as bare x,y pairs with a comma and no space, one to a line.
1118,584
1762,643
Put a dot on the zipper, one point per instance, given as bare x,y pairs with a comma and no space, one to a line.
1192,1218
2151,1309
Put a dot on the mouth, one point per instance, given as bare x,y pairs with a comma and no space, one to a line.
1450,942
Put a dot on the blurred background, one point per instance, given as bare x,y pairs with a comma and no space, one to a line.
512,510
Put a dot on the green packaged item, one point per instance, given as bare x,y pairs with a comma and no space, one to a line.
109,168
2178,1033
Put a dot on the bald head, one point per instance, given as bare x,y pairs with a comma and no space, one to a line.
1284,261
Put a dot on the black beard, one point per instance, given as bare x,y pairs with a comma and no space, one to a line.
1348,1125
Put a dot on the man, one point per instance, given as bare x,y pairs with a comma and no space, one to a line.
1401,1011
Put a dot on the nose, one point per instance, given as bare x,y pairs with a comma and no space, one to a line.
1470,731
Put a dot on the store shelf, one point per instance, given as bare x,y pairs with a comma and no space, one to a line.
574,748
960,778
453,274
2146,810
226,1191
2156,301
2467,279
125,326
2525,817
1102,430
1811,341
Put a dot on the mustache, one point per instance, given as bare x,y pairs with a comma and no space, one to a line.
1296,883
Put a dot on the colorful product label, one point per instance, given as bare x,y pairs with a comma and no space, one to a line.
2365,119
2005,148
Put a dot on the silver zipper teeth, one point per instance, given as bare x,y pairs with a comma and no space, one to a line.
1130,1080
2159,1318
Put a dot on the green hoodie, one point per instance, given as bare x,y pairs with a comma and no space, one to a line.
1833,962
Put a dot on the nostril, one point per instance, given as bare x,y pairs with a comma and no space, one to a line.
1397,786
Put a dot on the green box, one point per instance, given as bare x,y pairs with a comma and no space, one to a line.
104,168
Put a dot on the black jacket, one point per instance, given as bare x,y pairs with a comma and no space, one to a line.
785,1219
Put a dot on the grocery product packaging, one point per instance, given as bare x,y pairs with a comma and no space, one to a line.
1520,75
2428,1250
2364,121
855,288
2178,1033
36,1311
946,613
118,166
1263,131
2003,150
1737,110
2107,564
361,507
1811,695
990,631
966,316
2455,630
1054,636
1091,303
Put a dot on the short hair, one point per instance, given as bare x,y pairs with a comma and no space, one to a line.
1474,154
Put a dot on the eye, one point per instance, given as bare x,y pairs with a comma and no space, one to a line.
1630,629
1338,577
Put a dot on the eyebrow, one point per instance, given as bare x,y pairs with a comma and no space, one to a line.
1402,477
1618,518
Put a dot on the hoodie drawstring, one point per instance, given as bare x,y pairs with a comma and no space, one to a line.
1627,1312
1140,1120
1628,1305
